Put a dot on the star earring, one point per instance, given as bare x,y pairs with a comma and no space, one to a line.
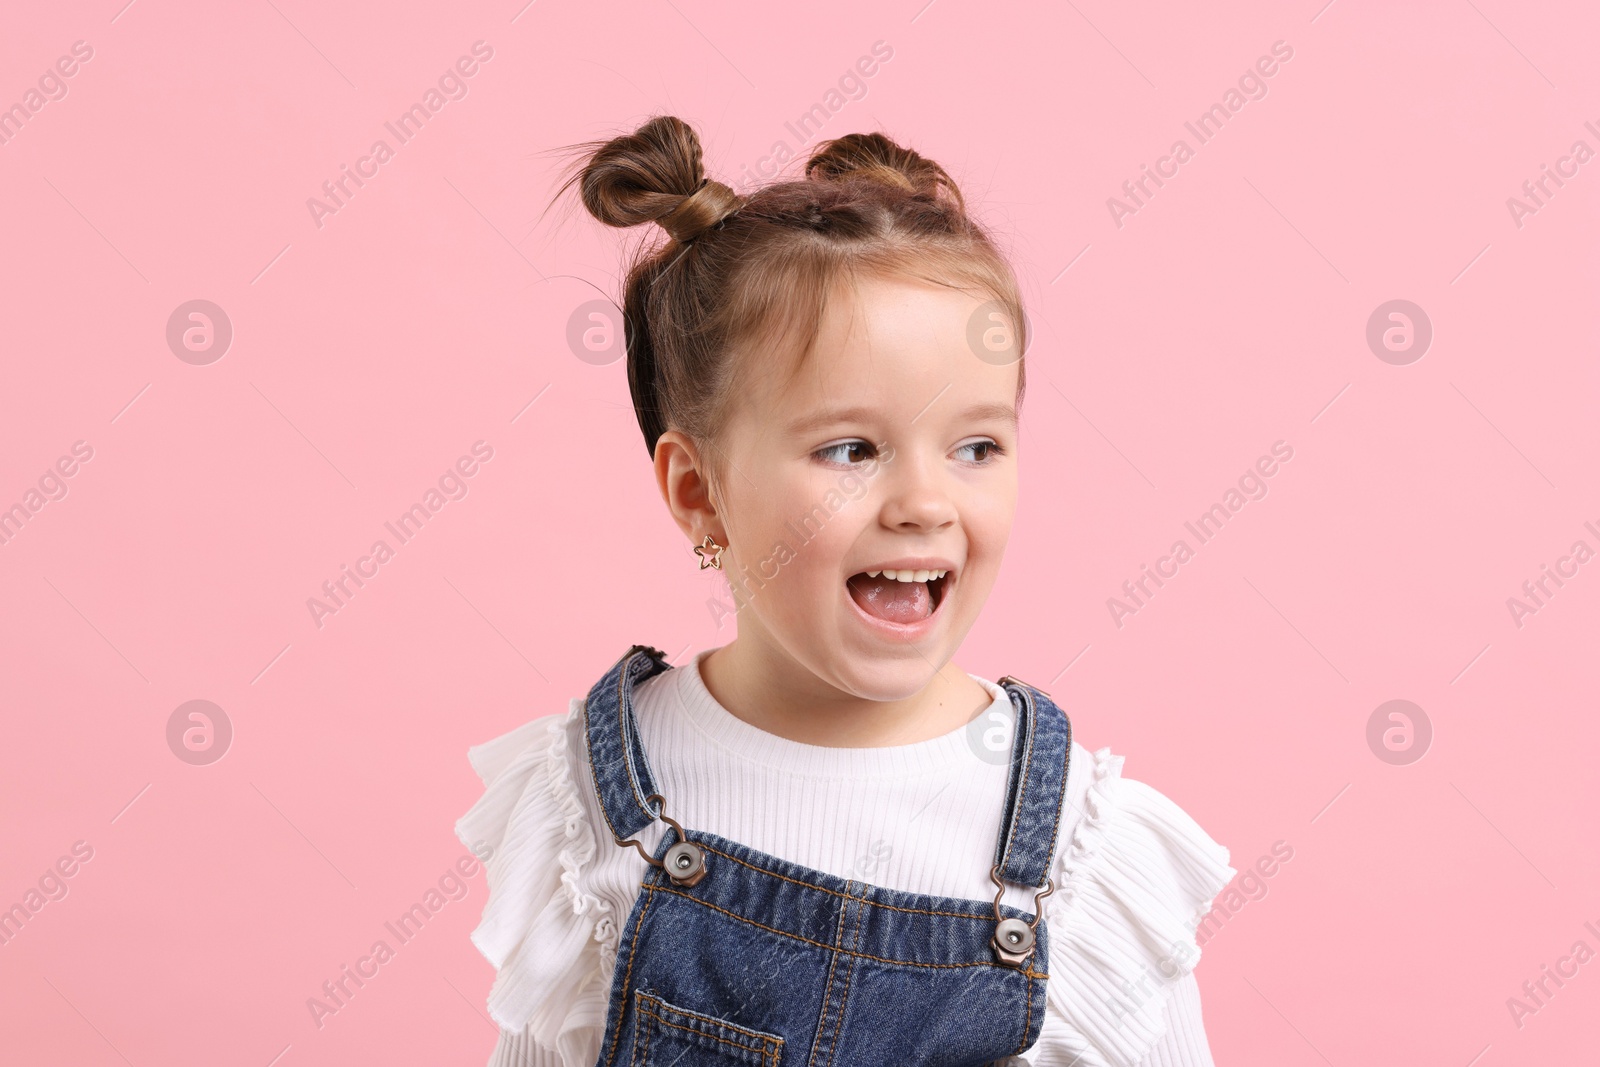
709,545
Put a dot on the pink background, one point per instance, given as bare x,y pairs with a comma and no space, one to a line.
368,354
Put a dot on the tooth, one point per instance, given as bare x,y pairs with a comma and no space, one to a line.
921,576
896,575
936,575
873,574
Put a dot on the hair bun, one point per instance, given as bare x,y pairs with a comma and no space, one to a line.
655,174
873,157
700,210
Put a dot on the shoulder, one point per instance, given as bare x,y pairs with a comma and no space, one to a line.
1135,874
543,928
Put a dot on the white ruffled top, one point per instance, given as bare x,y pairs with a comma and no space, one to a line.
1134,873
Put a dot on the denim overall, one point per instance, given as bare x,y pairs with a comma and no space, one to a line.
732,956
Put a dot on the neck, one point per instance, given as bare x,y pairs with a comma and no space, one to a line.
770,691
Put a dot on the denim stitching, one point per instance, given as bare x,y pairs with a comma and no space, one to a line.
1061,795
594,774
1027,1000
1055,827
855,944
616,1038
1027,772
622,729
641,1032
833,948
712,1021
835,892
827,987
627,750
765,1041
850,970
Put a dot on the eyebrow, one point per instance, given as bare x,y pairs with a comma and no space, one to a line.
832,416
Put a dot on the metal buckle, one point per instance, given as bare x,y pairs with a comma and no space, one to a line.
685,862
1014,939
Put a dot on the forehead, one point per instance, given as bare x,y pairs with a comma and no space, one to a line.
889,341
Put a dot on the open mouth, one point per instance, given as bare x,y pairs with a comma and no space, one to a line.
902,597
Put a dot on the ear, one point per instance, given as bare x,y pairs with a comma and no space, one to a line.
681,477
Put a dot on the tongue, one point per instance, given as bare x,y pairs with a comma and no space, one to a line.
887,599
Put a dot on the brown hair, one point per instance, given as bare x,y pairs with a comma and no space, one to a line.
755,272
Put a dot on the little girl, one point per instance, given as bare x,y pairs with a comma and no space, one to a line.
824,843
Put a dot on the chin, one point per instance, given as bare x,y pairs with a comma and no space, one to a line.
879,674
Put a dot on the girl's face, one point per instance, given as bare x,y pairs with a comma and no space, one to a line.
892,449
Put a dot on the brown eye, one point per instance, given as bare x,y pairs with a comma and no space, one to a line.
845,452
986,451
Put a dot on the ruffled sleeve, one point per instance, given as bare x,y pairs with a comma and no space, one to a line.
542,928
1134,880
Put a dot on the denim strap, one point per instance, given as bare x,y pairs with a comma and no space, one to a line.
1036,786
616,758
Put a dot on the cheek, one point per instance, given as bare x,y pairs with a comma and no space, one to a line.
987,521
819,563
795,540
817,542
988,516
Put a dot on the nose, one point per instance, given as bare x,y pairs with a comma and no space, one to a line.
918,500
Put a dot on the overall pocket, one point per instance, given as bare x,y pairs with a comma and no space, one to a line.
665,1035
